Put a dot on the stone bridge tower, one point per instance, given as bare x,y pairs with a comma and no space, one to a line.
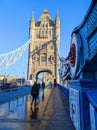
43,50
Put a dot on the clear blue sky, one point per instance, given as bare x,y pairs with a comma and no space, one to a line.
15,16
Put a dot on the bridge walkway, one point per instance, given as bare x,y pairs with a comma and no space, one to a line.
56,115
52,113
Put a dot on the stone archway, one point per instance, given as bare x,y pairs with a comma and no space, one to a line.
48,75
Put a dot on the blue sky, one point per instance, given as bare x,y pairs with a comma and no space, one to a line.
16,14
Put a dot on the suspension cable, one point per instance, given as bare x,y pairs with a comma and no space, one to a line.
11,57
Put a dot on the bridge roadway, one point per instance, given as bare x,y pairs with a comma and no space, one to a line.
52,112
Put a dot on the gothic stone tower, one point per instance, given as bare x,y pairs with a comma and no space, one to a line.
43,46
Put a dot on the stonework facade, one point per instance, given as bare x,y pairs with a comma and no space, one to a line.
45,34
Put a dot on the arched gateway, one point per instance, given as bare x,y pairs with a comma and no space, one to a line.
43,50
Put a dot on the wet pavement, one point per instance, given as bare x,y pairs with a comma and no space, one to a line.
52,113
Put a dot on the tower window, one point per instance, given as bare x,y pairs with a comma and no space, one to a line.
34,58
43,58
51,58
38,59
36,47
51,47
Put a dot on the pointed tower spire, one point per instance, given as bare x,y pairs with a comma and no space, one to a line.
57,20
32,25
57,16
32,19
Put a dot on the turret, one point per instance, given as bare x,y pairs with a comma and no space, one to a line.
57,21
31,35
32,26
32,21
57,25
57,35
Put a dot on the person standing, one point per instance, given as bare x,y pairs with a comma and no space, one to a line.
43,86
34,93
55,83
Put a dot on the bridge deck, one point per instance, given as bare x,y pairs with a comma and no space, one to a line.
52,113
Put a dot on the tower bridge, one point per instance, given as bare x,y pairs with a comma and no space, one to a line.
44,43
79,69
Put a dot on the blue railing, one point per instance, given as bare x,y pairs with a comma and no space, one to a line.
64,91
11,94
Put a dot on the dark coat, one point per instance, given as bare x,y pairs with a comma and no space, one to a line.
35,90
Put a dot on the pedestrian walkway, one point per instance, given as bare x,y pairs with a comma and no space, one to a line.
52,114
56,115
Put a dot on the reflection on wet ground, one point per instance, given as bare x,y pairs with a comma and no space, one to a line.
34,112
13,109
20,110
